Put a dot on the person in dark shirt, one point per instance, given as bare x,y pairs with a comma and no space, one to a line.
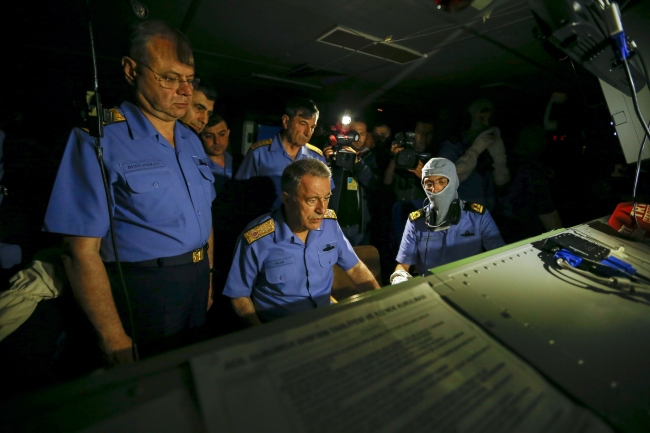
350,198
527,207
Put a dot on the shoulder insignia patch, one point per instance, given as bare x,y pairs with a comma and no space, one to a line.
114,116
330,214
258,144
415,215
474,207
117,116
259,231
315,149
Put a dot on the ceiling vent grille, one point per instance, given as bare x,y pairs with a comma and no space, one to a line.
366,44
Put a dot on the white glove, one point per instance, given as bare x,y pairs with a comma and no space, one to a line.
399,276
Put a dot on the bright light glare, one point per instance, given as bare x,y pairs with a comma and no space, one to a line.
346,120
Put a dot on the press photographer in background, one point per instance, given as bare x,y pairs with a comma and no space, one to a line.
406,182
479,171
355,175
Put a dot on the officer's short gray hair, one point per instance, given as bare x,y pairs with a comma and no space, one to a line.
144,31
296,170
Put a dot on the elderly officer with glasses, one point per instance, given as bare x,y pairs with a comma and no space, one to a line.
446,229
160,188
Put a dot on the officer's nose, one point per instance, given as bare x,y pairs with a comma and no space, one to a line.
203,117
321,207
185,89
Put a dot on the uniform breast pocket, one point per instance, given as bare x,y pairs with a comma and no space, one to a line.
149,192
282,272
327,255
207,179
430,239
468,238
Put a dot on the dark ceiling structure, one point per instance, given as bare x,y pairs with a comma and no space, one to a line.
342,53
279,43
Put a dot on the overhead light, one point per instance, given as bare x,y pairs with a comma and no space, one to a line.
369,45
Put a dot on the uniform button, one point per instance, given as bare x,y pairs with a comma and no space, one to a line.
281,277
199,212
188,184
155,184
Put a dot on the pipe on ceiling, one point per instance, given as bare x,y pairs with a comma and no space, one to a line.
189,15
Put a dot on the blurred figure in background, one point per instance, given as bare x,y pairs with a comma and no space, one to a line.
527,207
478,174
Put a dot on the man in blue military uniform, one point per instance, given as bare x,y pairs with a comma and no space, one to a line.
215,138
200,109
284,259
161,191
269,157
445,230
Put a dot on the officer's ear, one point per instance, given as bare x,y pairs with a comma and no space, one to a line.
129,65
285,121
286,198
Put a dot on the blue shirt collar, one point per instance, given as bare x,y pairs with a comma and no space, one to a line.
141,127
278,146
282,230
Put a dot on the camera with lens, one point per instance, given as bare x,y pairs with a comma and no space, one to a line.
409,157
340,157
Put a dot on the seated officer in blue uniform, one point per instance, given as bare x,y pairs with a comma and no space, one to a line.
269,157
283,260
215,138
161,191
445,230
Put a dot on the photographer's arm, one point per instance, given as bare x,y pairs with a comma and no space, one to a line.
366,174
389,174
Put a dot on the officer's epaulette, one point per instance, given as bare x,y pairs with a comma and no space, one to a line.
329,213
260,230
314,149
111,116
474,207
258,144
416,214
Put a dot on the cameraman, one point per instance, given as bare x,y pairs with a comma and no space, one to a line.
406,183
350,197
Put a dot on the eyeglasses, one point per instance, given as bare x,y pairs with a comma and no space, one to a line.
173,83
442,182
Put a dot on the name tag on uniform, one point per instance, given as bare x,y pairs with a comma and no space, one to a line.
352,184
282,261
140,165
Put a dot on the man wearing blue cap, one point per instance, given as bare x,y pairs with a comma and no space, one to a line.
446,229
